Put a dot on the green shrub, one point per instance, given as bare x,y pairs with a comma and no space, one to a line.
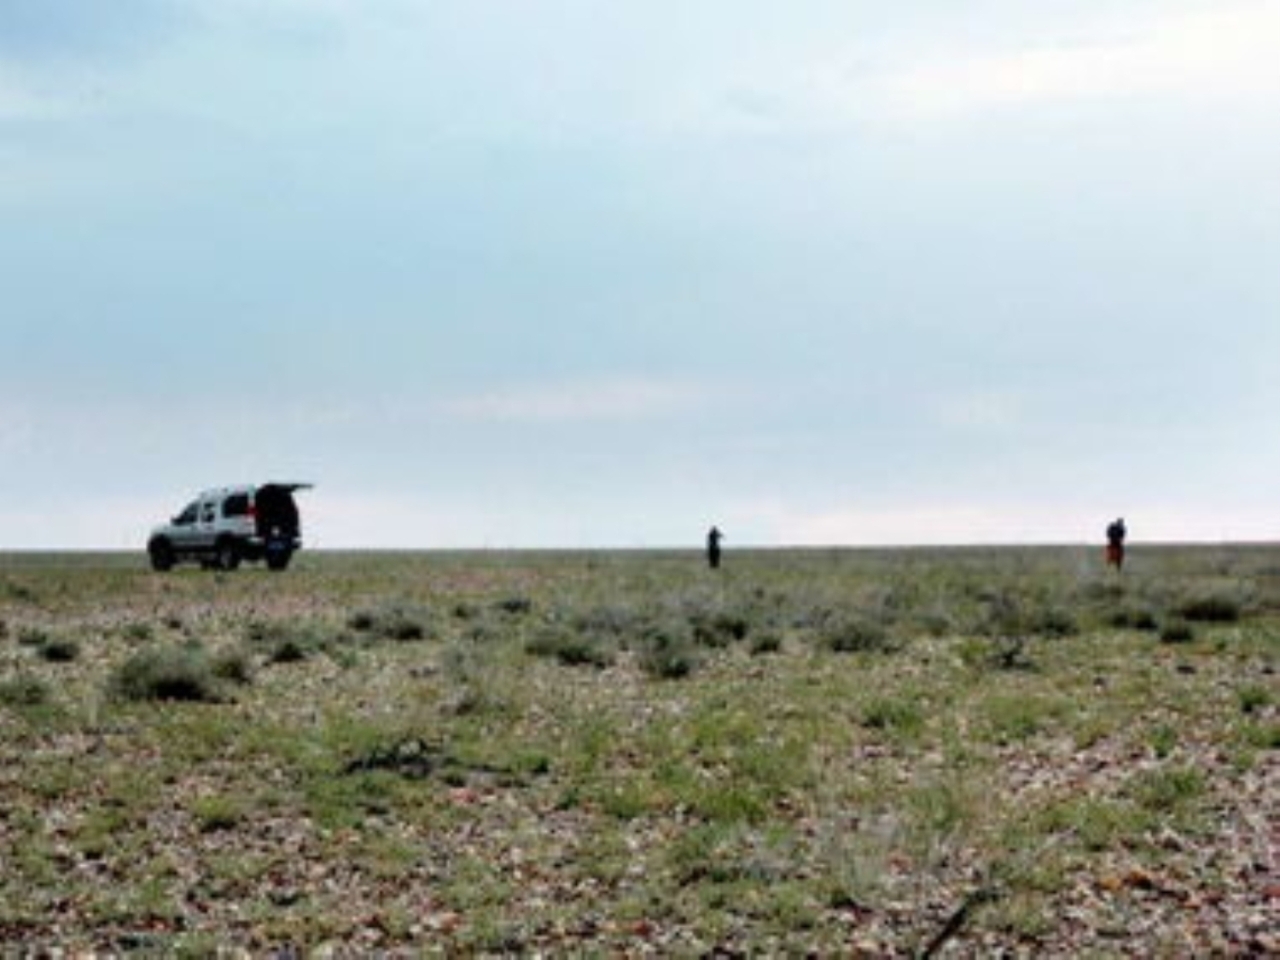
166,673
767,642
569,648
282,642
1253,698
1163,739
1054,622
1214,608
851,635
719,629
398,622
290,650
1135,618
612,620
217,813
516,606
1013,717
24,691
138,632
233,666
59,650
1166,790
465,611
892,714
1177,631
667,654
33,637
404,626
996,653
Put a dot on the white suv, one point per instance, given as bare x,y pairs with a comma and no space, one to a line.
224,526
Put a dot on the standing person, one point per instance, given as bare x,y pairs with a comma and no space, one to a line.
1115,543
714,536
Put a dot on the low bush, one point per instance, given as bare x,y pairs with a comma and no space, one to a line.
232,665
59,650
24,691
1053,622
1167,789
516,606
398,622
1134,618
286,642
1177,631
854,635
138,632
612,620
767,642
892,714
1215,608
996,653
718,629
667,654
166,673
1253,699
215,813
1014,717
33,637
569,648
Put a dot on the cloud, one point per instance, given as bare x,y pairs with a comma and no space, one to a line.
1218,55
583,402
1221,55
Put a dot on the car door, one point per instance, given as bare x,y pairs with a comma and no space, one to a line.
183,530
206,526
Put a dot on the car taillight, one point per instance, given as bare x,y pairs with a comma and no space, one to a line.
252,512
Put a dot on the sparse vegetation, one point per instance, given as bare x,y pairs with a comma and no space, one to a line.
667,652
391,621
814,752
1177,631
166,673
1213,608
569,648
24,691
852,634
59,649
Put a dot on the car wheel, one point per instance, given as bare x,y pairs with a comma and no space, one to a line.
228,555
278,559
161,555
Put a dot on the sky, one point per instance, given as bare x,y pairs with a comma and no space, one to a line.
506,273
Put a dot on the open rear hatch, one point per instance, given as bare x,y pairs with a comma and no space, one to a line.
277,513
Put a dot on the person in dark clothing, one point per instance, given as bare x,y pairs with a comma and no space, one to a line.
1116,533
714,537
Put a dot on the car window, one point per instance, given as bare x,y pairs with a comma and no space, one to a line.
236,505
187,516
207,512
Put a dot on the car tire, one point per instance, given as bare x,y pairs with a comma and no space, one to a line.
227,556
161,554
278,559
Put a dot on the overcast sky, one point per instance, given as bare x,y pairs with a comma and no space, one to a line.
572,273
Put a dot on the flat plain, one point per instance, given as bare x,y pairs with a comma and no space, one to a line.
960,752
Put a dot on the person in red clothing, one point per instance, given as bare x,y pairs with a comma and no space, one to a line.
1116,533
